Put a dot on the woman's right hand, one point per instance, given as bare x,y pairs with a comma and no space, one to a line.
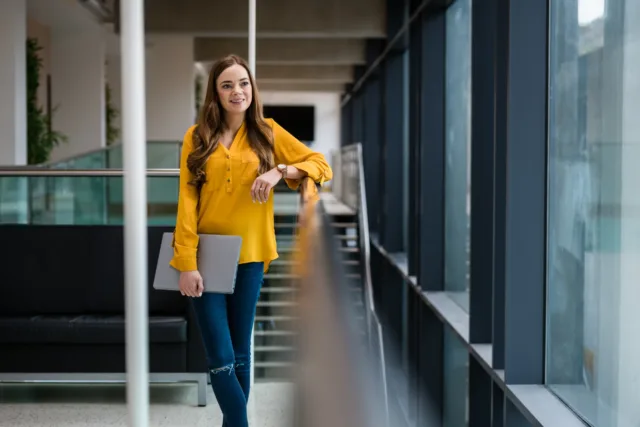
191,283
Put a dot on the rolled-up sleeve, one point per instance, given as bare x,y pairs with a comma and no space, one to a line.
290,151
185,245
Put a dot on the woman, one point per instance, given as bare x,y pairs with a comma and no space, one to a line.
230,162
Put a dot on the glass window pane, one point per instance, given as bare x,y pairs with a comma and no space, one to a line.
593,350
457,150
456,368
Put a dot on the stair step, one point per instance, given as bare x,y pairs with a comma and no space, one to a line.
274,333
341,249
343,237
274,348
276,304
276,318
350,250
281,276
344,224
290,237
333,224
277,289
273,364
288,262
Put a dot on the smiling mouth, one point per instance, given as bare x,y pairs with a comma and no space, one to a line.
237,101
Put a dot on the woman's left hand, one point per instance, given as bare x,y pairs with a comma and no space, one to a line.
263,185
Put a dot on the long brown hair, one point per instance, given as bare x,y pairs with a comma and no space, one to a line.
211,125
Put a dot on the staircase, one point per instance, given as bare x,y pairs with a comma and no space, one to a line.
275,336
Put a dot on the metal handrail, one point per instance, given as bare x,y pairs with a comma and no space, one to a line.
21,171
363,230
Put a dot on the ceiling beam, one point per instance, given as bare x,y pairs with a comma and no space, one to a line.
323,73
285,51
301,87
301,73
274,18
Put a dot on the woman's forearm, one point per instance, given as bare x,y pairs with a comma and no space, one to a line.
295,173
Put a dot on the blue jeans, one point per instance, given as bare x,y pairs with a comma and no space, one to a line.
226,322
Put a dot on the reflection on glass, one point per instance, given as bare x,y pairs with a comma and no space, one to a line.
457,150
81,200
14,203
456,361
160,155
96,200
593,350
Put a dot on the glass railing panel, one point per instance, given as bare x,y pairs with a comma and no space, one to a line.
81,200
67,200
163,154
162,197
14,200
94,197
114,157
160,155
92,160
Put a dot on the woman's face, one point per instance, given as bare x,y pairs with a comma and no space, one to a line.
234,89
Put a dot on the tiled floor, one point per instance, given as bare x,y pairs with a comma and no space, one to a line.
104,405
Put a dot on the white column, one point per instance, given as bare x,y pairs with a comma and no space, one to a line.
13,82
135,215
77,89
170,71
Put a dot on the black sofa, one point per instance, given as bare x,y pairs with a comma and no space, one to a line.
62,309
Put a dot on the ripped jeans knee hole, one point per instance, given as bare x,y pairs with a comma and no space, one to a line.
228,368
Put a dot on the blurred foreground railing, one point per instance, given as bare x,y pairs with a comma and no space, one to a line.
341,378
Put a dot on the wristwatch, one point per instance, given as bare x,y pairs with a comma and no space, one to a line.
283,170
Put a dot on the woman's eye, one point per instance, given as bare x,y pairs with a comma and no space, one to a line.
245,83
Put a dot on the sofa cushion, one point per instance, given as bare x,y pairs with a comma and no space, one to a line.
86,329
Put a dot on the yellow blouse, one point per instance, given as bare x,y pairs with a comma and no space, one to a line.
224,205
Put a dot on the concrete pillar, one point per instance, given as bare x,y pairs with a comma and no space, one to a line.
170,71
77,88
13,83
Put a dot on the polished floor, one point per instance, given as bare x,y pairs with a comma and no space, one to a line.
104,405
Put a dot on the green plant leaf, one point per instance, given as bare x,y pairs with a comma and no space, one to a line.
41,139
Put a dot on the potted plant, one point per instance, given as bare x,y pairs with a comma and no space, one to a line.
113,133
41,138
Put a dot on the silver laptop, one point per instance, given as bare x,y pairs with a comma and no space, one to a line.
218,258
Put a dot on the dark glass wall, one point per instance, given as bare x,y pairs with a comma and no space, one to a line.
453,118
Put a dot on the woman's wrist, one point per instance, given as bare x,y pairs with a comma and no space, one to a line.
292,172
